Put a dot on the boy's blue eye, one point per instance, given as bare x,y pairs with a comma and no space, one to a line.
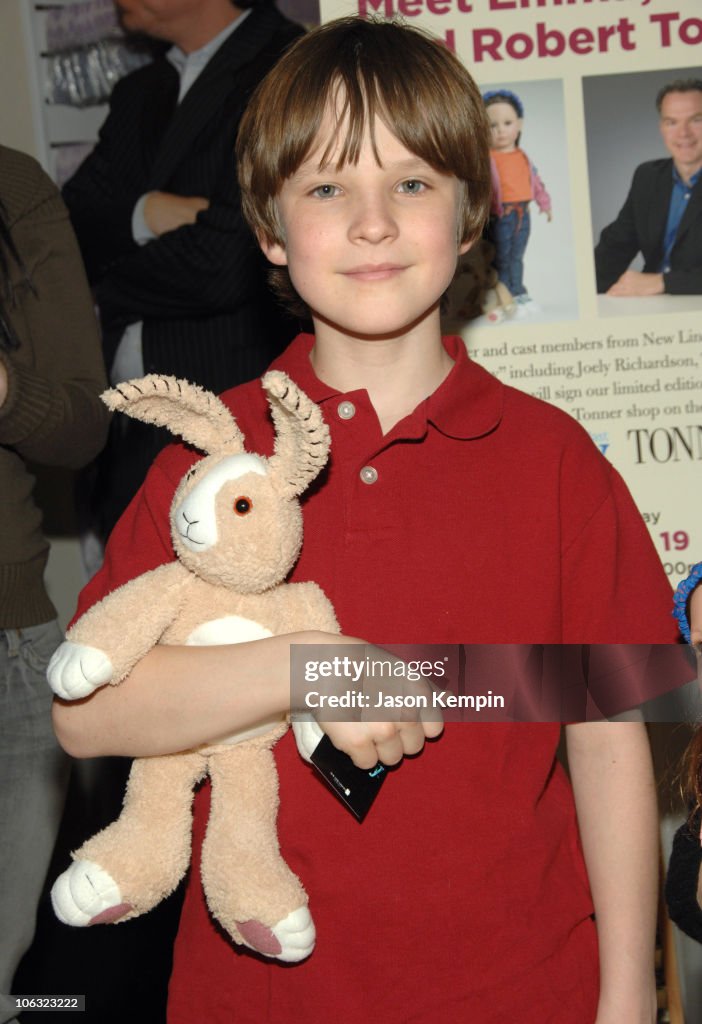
412,186
325,191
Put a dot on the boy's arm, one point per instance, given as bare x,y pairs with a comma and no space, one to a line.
177,698
612,776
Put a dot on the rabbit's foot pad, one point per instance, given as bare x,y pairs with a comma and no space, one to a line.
290,940
86,894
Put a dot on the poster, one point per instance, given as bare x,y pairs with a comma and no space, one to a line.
587,73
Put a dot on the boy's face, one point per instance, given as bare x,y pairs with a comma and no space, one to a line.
371,247
505,126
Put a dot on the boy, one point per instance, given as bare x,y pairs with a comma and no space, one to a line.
455,509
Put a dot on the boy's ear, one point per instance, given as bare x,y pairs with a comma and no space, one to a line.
274,252
464,247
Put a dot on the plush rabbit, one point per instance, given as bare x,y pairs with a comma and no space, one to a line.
237,529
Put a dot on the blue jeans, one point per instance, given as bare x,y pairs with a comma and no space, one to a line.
510,234
33,781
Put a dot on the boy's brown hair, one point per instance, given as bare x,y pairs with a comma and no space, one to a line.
412,82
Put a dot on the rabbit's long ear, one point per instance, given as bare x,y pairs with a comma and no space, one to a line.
186,409
302,436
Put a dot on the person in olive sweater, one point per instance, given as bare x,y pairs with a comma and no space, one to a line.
51,375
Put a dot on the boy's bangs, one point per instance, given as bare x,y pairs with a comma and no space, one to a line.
421,100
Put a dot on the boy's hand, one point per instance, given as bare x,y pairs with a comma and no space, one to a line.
387,723
391,715
366,743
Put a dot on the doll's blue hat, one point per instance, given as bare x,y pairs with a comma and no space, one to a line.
505,94
682,596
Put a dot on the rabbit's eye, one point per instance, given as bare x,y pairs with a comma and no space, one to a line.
242,506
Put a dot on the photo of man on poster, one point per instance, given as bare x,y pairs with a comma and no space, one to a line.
661,218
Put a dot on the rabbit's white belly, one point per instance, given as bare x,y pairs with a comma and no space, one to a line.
230,629
233,629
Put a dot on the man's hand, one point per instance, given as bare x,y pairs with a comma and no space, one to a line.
3,383
165,211
549,214
634,283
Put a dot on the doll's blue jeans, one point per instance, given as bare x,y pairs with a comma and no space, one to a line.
510,234
33,781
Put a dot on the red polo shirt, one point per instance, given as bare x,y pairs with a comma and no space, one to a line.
485,516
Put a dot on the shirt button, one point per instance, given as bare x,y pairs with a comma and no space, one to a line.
346,410
687,195
369,474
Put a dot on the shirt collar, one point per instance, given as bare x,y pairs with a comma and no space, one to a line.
679,180
467,404
197,59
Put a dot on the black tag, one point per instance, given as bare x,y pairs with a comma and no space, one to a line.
357,787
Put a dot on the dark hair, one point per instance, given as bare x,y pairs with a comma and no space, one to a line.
692,773
8,255
679,85
402,75
504,96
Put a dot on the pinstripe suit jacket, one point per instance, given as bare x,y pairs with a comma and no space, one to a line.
200,291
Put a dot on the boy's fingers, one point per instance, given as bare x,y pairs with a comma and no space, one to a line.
433,726
409,738
412,737
386,741
390,751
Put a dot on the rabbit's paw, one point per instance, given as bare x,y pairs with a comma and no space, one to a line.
307,736
75,670
290,940
86,894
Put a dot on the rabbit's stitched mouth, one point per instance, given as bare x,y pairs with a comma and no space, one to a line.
186,535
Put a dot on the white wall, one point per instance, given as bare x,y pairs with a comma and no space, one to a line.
16,113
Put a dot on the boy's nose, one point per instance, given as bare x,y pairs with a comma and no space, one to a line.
373,220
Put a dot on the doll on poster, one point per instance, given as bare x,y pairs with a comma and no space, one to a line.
515,183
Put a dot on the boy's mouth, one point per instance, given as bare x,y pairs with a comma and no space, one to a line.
374,271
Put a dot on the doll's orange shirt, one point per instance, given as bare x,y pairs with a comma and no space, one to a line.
514,173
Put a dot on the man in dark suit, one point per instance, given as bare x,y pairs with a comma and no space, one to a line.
177,276
662,215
